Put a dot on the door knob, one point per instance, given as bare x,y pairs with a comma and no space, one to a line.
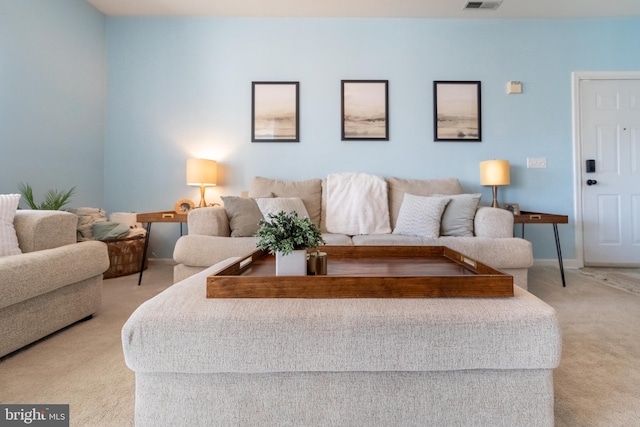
591,182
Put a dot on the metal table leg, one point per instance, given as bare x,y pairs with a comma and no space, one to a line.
555,233
558,250
144,252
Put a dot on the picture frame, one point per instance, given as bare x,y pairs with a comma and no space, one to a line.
184,206
275,111
514,208
457,114
365,110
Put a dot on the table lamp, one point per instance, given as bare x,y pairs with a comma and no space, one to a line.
202,172
494,173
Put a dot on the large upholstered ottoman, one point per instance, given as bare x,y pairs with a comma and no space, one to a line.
341,362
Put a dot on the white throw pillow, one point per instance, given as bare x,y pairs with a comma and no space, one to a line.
8,238
277,204
420,216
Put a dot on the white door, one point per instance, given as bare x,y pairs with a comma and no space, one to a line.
610,133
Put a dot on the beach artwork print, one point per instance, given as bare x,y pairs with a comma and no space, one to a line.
457,111
365,105
275,112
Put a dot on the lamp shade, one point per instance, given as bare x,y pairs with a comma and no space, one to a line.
494,172
202,172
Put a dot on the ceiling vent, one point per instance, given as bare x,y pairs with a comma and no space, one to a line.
487,5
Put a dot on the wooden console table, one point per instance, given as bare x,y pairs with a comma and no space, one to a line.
544,218
151,217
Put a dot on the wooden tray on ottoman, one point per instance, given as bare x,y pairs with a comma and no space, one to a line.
366,272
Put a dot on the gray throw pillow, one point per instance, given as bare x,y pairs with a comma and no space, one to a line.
244,215
457,219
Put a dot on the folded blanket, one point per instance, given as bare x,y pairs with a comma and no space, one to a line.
357,203
110,230
86,218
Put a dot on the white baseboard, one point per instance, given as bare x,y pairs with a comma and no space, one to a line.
553,262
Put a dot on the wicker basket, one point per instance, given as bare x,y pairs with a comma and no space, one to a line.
125,256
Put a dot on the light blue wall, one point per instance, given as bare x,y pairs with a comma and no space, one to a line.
181,87
52,98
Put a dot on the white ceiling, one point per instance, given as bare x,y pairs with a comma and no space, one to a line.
510,9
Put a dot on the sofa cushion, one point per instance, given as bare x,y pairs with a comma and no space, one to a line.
333,239
36,273
419,187
280,204
244,215
420,216
496,253
310,191
457,219
8,238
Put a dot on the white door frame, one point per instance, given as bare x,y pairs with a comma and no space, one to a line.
576,78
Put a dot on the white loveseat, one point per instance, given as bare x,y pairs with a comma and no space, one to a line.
53,283
491,239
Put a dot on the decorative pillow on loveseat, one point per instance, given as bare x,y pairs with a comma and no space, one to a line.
244,215
458,216
8,238
278,204
420,216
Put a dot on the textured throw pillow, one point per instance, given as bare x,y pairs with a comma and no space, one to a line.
277,204
457,219
418,187
244,215
420,216
8,237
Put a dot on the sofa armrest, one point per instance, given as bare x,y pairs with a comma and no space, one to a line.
493,222
29,275
210,221
41,229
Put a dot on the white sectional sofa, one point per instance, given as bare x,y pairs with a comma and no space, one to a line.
53,283
490,240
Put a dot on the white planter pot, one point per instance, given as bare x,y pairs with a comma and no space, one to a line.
294,264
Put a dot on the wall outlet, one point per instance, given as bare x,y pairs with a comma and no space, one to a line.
537,162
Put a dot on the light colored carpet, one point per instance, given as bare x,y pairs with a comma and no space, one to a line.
597,383
626,279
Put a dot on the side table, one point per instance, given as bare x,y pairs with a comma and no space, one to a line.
150,218
544,218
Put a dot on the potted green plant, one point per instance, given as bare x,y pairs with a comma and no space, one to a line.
288,236
54,200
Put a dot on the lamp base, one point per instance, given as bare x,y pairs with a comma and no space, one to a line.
203,203
495,197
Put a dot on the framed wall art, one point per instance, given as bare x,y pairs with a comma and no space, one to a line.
275,112
457,115
514,208
365,110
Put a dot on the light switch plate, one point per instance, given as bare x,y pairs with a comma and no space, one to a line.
537,162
